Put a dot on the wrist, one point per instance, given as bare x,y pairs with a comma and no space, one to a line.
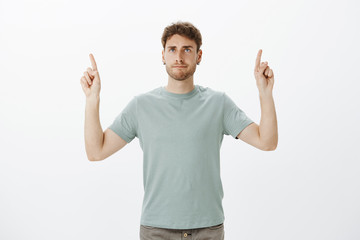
265,94
92,98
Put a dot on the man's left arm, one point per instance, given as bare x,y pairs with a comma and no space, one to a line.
265,135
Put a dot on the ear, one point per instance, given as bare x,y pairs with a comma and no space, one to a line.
163,58
199,56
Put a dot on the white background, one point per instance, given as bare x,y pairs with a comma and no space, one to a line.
308,188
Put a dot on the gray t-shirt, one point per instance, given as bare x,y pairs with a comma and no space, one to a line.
181,136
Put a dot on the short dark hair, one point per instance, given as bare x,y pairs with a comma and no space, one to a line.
185,29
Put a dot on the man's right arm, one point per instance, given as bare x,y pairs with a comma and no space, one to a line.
99,145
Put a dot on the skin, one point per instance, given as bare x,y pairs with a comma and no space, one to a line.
90,82
180,50
265,135
264,75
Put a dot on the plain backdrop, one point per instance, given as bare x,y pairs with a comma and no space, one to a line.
308,188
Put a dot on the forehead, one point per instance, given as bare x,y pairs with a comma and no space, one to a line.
178,40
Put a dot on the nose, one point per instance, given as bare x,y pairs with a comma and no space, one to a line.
179,58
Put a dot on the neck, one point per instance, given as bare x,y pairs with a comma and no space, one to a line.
180,87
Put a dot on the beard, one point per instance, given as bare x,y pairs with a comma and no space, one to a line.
181,74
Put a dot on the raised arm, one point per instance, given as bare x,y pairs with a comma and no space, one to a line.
99,145
265,135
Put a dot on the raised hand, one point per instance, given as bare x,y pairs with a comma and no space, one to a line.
90,82
264,75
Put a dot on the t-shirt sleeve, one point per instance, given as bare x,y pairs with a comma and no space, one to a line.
125,124
234,119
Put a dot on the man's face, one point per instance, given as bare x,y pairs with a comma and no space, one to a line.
180,57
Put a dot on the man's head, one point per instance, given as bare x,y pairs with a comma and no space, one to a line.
181,42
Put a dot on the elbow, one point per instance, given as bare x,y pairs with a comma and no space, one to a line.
270,148
90,157
93,158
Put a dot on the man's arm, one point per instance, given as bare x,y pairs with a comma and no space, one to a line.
99,145
112,143
265,136
94,136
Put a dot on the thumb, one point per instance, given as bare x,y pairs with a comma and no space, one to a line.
94,73
263,66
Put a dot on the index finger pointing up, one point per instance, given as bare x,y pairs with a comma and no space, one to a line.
258,58
93,63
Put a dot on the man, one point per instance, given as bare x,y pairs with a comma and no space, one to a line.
180,129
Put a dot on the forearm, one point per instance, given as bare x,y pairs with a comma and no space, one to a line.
93,131
268,124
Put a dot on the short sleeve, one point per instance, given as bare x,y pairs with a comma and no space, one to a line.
125,124
234,119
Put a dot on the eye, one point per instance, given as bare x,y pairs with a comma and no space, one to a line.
187,49
171,49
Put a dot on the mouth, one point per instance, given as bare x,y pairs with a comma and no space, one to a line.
179,66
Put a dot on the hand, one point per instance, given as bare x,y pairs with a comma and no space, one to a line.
90,82
264,75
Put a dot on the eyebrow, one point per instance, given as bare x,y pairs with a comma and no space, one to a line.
183,46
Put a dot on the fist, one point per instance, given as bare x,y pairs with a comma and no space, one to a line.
90,82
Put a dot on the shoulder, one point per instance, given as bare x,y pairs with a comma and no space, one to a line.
222,98
154,93
211,93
